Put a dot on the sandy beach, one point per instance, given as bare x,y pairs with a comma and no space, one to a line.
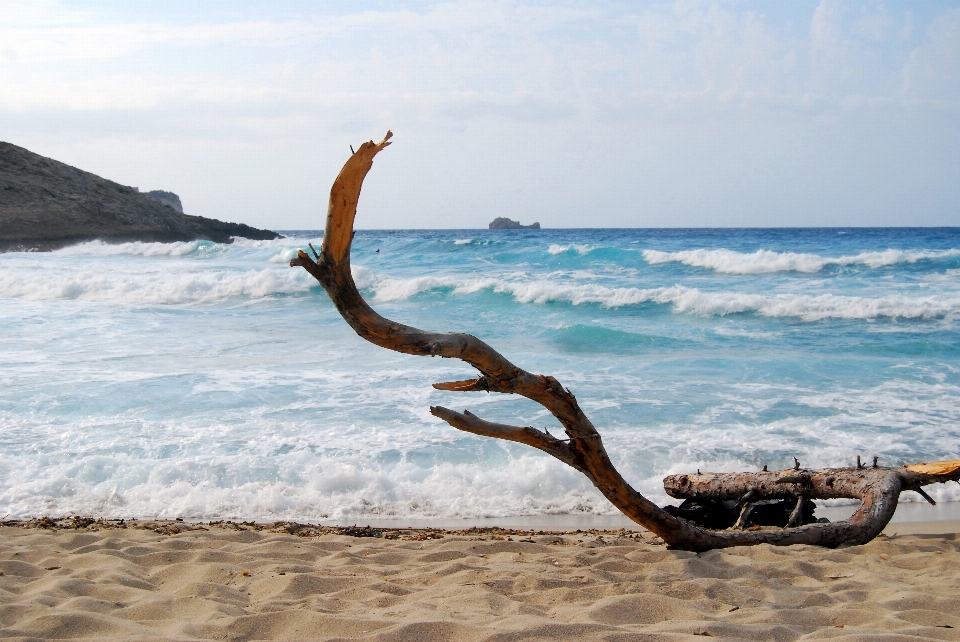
227,581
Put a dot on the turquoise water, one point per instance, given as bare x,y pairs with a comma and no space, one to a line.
209,381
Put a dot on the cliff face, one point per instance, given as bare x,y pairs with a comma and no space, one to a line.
501,223
167,198
46,205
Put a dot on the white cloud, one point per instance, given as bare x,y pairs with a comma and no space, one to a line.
933,69
579,63
745,100
872,23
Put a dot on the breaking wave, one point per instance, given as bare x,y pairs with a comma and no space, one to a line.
573,247
137,248
152,288
251,407
187,284
682,299
767,261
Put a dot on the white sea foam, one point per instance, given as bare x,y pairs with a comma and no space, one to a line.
809,307
463,241
244,443
244,466
336,488
125,410
138,284
682,299
270,471
151,287
300,241
278,250
766,261
99,248
573,247
396,289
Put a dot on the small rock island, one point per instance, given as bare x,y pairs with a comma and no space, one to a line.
46,205
501,223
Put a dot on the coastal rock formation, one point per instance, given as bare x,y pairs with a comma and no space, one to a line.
167,198
46,205
501,223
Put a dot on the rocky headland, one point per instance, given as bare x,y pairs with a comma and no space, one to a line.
46,205
167,198
501,223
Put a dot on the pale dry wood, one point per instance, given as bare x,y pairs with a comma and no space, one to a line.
936,467
877,488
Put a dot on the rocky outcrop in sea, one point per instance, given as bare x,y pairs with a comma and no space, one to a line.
501,223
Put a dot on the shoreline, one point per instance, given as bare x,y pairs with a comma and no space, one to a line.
909,518
907,512
385,529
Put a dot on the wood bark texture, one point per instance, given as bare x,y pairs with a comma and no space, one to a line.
878,488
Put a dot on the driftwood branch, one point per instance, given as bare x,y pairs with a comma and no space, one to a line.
877,488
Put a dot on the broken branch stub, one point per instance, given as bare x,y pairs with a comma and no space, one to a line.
878,488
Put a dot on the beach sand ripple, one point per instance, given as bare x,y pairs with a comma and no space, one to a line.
235,582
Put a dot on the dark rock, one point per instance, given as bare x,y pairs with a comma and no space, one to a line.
46,205
501,223
167,198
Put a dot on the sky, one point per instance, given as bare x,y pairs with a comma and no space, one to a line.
593,114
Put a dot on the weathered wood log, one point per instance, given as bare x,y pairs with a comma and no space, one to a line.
878,488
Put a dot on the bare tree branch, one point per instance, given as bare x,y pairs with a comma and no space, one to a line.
469,422
878,488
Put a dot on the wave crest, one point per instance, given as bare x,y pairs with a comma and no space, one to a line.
768,261
136,248
684,300
153,288
573,247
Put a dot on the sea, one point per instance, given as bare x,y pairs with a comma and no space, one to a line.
210,381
